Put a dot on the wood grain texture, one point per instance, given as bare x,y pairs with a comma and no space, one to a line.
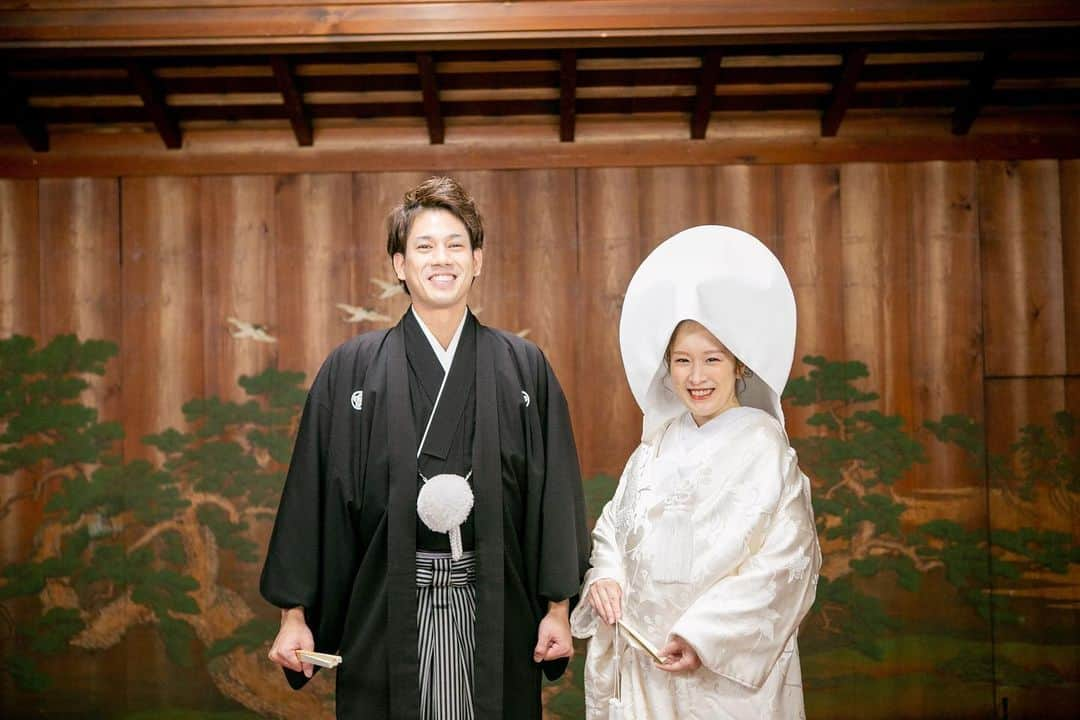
875,247
810,250
162,306
314,253
1070,255
672,199
79,226
598,142
611,248
543,239
20,262
20,314
946,314
746,197
80,289
239,279
1072,405
1022,278
375,22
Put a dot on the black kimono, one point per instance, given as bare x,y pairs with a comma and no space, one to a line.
344,542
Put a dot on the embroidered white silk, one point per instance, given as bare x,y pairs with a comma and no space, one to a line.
752,575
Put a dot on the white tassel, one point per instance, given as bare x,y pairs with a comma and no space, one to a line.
675,545
443,504
455,543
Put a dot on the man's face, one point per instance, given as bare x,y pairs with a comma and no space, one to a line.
438,264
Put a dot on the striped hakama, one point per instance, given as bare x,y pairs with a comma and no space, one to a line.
445,619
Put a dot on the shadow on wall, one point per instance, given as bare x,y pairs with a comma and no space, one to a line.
170,549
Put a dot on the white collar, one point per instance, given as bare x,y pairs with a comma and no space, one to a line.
683,435
445,357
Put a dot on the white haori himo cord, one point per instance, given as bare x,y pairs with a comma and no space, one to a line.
445,501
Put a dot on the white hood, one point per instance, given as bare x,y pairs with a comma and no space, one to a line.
732,284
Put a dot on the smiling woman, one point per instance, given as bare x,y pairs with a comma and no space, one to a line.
708,549
703,371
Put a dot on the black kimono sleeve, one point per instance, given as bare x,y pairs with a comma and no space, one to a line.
564,534
312,559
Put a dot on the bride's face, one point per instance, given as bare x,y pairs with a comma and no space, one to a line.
702,372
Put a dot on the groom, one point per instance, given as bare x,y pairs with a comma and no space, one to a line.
354,569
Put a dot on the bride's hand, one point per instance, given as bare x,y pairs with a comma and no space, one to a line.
605,596
678,656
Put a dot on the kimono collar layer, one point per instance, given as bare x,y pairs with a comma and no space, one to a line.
729,282
444,355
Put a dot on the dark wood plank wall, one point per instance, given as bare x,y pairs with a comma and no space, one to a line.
1029,246
950,280
946,310
162,356
898,265
20,264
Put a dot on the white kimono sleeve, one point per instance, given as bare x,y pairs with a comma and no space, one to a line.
606,560
742,622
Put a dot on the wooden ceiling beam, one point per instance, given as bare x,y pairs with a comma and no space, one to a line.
1039,39
706,93
125,23
567,94
153,97
1062,98
294,102
613,143
59,85
843,91
27,121
429,87
979,90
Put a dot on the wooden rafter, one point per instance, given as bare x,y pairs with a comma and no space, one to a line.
26,119
843,91
561,82
153,97
979,90
567,94
706,93
238,22
354,150
294,102
429,87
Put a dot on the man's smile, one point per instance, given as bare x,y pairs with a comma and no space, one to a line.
442,279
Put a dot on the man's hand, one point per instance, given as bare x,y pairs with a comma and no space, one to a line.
678,656
605,596
553,639
294,635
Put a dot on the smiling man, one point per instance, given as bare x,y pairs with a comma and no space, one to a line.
432,529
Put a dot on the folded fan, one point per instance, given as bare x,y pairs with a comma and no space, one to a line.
325,660
639,640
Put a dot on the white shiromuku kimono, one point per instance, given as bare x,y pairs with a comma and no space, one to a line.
735,581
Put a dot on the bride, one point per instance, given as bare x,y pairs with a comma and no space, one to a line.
708,549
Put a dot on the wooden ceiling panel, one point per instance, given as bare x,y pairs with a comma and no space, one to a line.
698,75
